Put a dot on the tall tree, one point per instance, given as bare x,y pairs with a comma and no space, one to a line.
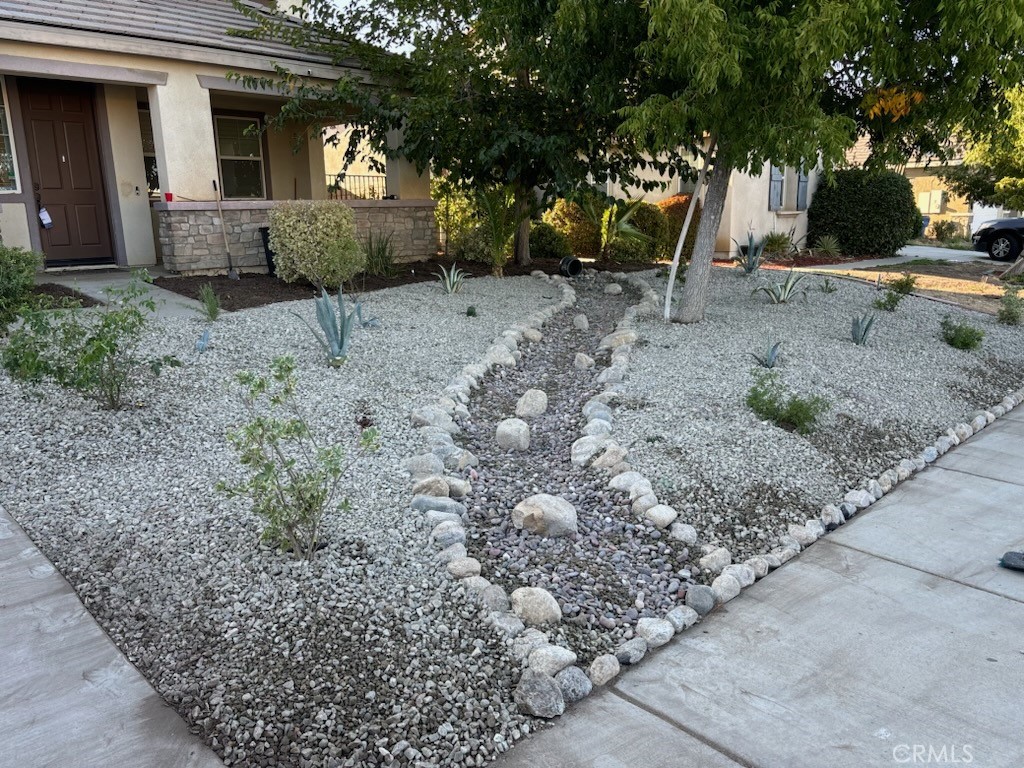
491,92
791,82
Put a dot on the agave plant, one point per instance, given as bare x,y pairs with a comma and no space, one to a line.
828,245
783,293
337,327
750,261
203,342
451,279
860,330
827,286
771,355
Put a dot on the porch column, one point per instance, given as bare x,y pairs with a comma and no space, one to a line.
186,153
317,167
402,179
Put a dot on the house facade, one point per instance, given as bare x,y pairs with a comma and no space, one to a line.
124,141
775,200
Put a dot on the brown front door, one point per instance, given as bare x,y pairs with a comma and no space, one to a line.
64,157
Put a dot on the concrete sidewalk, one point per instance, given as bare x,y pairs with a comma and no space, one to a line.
93,283
894,640
68,697
909,253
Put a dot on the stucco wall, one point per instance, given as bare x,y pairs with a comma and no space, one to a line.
746,210
14,225
192,239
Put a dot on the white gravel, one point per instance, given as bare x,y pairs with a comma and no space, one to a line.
368,653
740,481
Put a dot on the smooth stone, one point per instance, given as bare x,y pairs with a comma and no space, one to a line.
495,599
452,552
656,632
603,669
533,403
725,588
431,486
512,435
613,289
701,598
458,488
447,533
435,518
743,574
536,606
682,617
532,334
539,695
613,455
574,683
597,428
437,504
464,567
424,465
760,565
643,503
684,532
627,481
545,515
586,448
581,323
583,362
551,659
715,560
662,515
860,498
631,651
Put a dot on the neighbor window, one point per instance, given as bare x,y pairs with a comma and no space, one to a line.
776,184
8,162
801,191
240,154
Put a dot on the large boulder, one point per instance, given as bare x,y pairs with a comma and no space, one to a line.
513,435
546,515
586,448
539,695
536,607
532,404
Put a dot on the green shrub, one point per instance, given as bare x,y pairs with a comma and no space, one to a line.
828,246
546,242
961,335
767,398
455,213
889,302
94,352
904,284
945,230
210,302
380,254
628,251
584,236
777,244
1011,307
652,222
498,224
17,277
315,240
295,478
674,209
473,246
869,213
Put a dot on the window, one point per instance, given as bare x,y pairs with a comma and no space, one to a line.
8,161
240,154
149,153
776,182
801,191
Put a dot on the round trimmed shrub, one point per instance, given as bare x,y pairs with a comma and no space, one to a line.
869,213
629,251
315,240
649,219
546,242
583,235
674,209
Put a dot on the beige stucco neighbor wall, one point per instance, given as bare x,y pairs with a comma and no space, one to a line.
746,209
14,225
192,239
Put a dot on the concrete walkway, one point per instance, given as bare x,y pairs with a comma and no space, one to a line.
894,640
68,697
909,253
93,283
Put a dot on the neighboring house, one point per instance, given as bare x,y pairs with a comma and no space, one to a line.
774,201
934,199
118,116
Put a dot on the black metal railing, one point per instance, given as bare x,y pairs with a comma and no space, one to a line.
356,187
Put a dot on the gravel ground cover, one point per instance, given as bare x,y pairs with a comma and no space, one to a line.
739,481
617,567
369,655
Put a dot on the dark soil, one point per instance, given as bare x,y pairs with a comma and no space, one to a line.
61,295
256,290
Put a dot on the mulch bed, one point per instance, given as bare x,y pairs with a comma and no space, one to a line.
256,290
61,294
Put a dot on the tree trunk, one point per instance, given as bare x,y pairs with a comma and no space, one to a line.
521,242
698,276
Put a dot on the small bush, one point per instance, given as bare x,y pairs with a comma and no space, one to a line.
767,398
455,212
380,254
583,235
1011,308
777,244
946,230
295,478
961,335
889,302
628,251
649,220
869,213
546,242
474,246
904,284
95,352
674,209
17,277
210,301
315,240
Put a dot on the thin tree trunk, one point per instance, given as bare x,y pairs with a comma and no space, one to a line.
698,276
686,226
521,242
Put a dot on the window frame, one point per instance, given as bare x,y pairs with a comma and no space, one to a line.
263,158
9,126
802,189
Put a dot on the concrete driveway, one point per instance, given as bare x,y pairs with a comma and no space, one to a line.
894,640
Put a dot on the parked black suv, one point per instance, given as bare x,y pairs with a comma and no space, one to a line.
1000,239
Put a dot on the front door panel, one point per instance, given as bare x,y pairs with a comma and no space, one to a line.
65,164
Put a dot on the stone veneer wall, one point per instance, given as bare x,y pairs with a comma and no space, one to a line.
191,240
